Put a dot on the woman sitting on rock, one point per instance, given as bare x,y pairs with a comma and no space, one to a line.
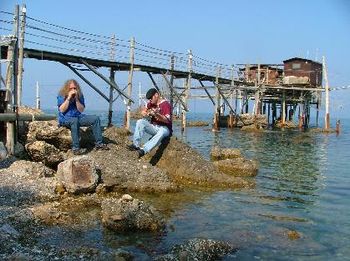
71,104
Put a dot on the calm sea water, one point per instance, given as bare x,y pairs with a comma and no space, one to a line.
302,185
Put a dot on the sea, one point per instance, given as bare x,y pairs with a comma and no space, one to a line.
298,210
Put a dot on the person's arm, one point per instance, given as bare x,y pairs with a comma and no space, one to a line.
80,105
165,116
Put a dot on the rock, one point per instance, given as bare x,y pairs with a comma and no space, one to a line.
3,151
60,137
19,151
197,123
217,153
187,167
130,215
238,167
32,170
293,235
40,151
9,230
78,174
198,249
286,125
252,128
127,197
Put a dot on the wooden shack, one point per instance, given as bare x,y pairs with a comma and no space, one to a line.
268,74
300,71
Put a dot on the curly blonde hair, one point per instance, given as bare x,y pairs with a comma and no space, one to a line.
65,88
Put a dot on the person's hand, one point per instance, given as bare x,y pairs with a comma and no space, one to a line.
72,94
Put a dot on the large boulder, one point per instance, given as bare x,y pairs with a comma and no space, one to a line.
186,166
60,137
217,153
41,151
78,174
198,249
128,214
239,167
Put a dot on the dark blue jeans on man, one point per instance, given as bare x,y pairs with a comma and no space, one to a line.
74,123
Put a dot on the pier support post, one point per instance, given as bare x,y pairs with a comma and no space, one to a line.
187,90
20,54
283,108
216,125
325,76
131,72
110,101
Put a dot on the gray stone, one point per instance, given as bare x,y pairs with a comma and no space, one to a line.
198,249
125,215
40,151
78,174
238,167
3,151
217,153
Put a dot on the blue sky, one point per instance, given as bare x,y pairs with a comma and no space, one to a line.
225,31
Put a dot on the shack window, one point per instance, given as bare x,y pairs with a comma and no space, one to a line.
296,66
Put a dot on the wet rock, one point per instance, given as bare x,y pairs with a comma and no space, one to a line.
293,235
78,174
125,215
252,128
198,249
8,231
187,167
217,153
238,167
286,125
197,123
40,151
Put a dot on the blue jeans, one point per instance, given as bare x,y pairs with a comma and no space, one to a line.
158,133
74,124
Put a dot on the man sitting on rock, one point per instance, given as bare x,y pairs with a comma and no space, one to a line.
71,104
157,122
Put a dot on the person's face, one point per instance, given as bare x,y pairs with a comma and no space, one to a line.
154,99
72,86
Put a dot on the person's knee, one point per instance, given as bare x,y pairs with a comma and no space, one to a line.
140,122
164,132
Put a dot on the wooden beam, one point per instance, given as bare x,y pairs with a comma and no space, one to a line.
86,81
176,94
206,91
114,85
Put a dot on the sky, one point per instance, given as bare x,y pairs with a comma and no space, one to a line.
226,31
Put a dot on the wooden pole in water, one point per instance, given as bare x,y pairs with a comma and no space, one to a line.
283,116
37,96
20,55
112,79
216,126
172,66
327,124
110,102
131,72
187,90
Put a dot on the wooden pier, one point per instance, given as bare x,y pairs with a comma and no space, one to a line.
276,90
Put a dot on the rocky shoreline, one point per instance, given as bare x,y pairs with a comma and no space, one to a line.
49,187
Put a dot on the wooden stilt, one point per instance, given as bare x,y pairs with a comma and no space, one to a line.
20,54
131,72
187,90
327,118
283,108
